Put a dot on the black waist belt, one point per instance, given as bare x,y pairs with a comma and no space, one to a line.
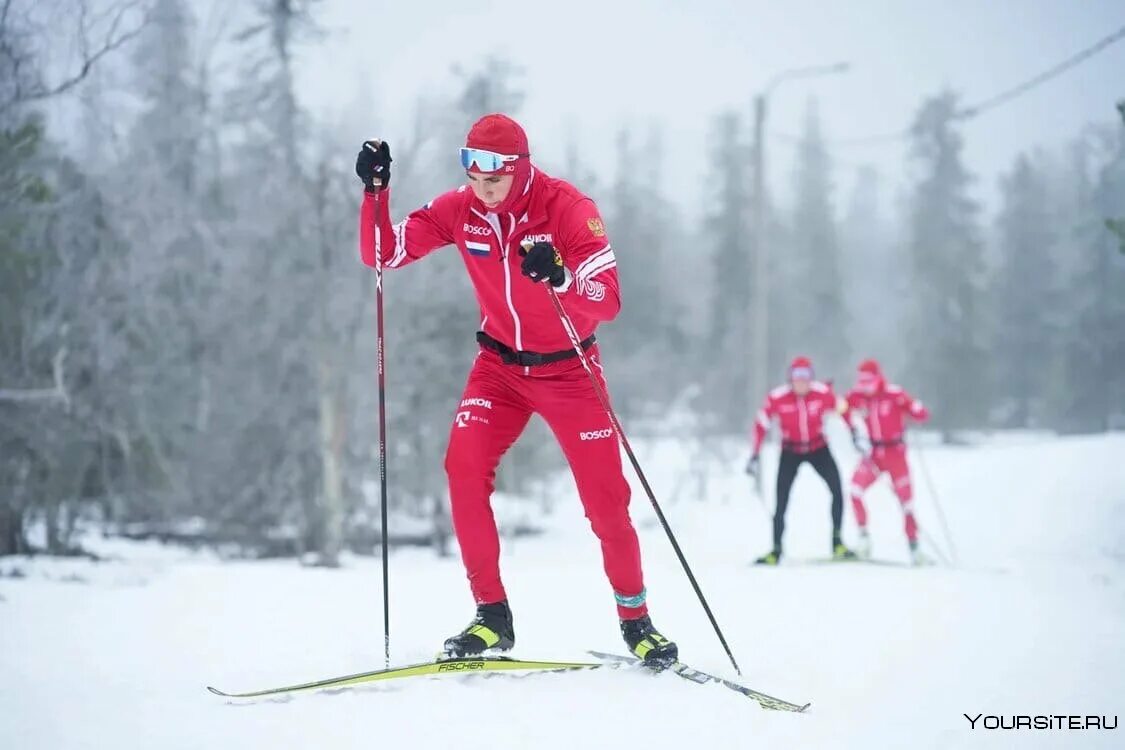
886,443
510,356
806,446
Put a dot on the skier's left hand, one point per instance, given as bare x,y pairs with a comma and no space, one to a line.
542,262
373,165
752,465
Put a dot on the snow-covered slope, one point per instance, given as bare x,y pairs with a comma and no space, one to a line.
1032,621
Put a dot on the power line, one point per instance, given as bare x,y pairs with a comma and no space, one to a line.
994,101
975,110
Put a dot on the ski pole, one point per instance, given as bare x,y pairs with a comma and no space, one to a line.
757,486
933,545
937,502
382,429
576,342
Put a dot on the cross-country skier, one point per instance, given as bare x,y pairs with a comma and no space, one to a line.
516,229
800,407
886,409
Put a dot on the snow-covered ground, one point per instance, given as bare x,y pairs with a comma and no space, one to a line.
1032,621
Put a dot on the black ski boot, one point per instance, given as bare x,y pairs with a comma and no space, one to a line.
770,558
490,630
840,551
647,644
917,556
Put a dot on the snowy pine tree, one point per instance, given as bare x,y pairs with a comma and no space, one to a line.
875,285
812,296
646,336
1096,330
63,317
947,354
284,361
726,229
1024,296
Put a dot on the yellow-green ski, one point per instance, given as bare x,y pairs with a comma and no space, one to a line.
473,665
694,675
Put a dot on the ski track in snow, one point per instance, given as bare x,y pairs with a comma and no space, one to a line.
117,654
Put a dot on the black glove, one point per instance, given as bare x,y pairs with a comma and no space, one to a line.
374,163
752,465
542,262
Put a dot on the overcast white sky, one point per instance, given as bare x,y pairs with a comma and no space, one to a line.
591,66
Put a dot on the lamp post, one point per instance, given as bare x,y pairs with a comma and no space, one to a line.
759,310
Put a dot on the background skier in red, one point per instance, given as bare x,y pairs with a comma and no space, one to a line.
510,221
885,409
800,407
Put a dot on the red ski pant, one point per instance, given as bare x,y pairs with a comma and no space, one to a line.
498,401
892,461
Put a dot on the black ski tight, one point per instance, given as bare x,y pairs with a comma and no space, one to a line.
821,460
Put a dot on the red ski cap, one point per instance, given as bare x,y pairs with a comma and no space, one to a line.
500,134
801,367
870,373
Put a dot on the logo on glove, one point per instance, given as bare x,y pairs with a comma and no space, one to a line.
542,262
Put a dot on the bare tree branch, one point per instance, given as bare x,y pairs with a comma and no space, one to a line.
58,392
115,38
4,14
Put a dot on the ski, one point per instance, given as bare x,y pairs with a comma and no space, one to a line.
471,665
858,560
694,675
503,664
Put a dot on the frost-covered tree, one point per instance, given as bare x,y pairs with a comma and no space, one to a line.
947,352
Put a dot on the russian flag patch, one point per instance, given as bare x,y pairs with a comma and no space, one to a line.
480,249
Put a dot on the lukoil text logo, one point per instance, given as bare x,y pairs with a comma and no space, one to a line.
481,402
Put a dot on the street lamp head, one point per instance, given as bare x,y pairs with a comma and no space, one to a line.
812,71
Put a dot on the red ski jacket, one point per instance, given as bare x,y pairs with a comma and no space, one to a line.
885,413
514,310
801,417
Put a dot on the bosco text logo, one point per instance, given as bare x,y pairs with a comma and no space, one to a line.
596,434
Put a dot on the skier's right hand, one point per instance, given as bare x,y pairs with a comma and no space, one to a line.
542,262
373,165
752,465
859,442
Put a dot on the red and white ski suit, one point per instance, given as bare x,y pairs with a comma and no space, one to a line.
500,398
801,417
885,415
